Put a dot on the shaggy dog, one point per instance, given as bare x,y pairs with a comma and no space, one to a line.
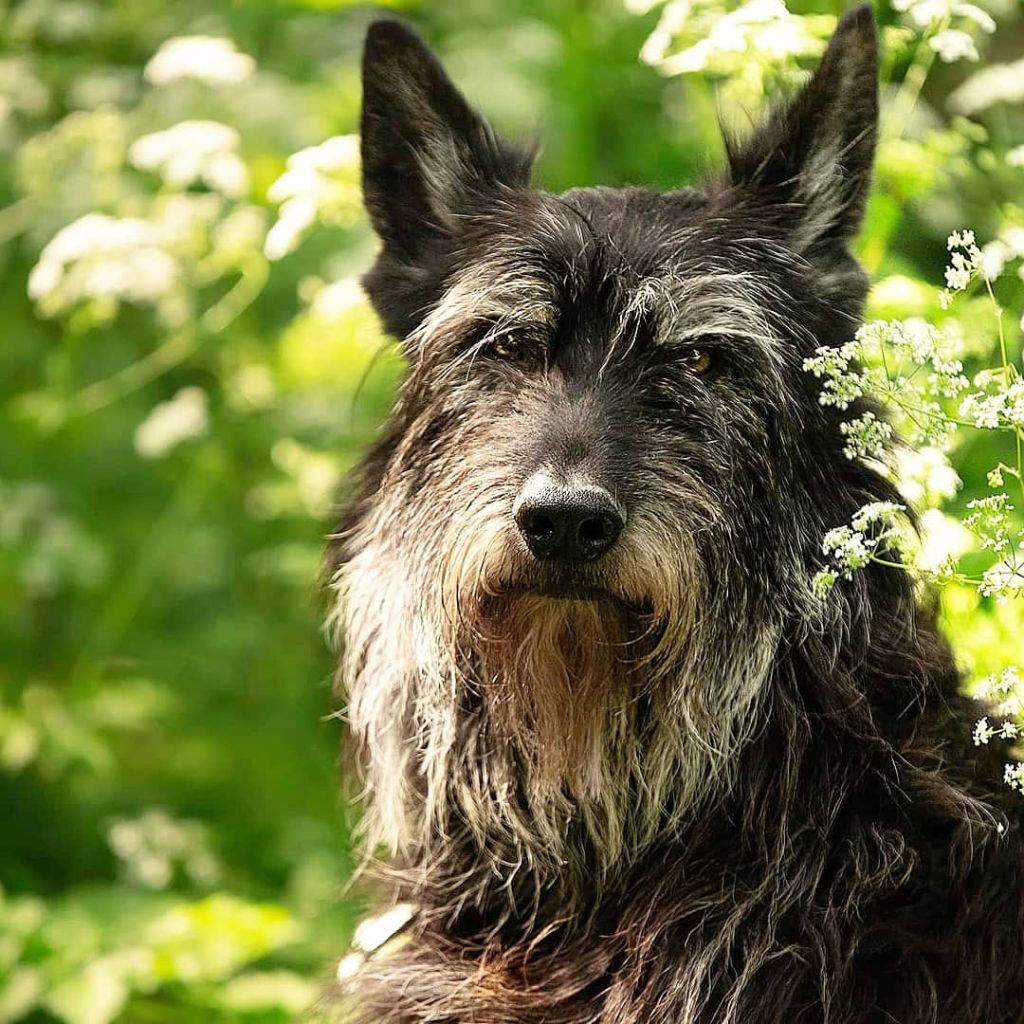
629,766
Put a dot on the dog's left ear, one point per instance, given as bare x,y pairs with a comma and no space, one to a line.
427,155
811,160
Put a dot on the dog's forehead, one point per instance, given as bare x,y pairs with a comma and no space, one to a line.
606,253
618,248
634,218
625,233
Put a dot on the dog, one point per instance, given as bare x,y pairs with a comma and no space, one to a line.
628,764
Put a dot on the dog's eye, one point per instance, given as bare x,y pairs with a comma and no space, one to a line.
518,347
698,360
509,346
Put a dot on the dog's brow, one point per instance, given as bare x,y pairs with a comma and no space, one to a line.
684,304
498,291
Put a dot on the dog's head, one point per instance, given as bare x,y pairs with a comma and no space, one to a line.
603,486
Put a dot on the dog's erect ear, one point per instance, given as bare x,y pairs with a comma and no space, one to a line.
814,156
427,155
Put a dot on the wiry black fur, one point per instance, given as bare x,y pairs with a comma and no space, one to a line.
860,860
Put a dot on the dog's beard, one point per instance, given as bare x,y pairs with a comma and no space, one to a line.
561,657
542,724
555,672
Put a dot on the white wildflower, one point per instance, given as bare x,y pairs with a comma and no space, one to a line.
319,183
852,547
958,274
867,437
925,476
208,59
1015,157
193,152
997,83
975,14
994,258
960,239
983,732
997,687
848,548
102,258
184,417
1011,706
953,45
926,13
154,845
671,22
1003,408
990,520
759,37
1013,775
1003,580
876,512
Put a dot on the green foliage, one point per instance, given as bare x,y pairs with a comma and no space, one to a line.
188,369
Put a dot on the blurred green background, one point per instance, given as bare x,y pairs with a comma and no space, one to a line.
187,369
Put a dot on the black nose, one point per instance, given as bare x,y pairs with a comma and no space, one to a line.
569,524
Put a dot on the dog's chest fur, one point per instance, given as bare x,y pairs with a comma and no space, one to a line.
880,909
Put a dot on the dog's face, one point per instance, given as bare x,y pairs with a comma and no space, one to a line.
604,481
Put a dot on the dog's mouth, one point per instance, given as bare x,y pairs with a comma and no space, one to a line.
564,591
573,590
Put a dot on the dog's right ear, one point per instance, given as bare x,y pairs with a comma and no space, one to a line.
811,160
427,156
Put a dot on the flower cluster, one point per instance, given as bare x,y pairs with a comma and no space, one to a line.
872,532
319,184
749,47
989,87
1013,775
908,365
1003,408
1005,693
912,368
194,152
181,418
207,59
758,45
153,847
948,25
990,519
97,263
104,261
